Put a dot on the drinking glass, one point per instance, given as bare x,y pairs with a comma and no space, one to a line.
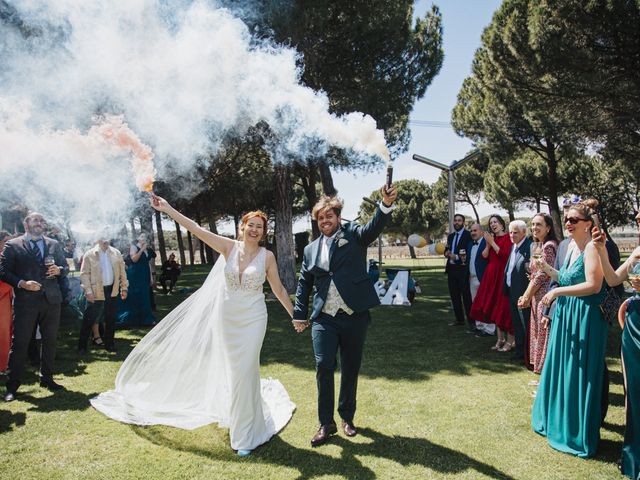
463,255
48,262
634,274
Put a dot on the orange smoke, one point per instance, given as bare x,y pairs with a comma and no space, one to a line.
115,131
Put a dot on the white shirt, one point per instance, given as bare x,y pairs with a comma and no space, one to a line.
512,260
454,244
472,259
106,268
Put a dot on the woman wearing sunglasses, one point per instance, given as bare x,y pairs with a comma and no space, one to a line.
567,408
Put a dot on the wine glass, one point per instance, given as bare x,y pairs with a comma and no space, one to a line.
463,255
49,261
633,272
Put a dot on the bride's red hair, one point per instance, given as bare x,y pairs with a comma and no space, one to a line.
248,216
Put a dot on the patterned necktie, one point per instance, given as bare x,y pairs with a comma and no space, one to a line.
36,250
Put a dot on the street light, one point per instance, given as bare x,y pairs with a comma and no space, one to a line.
450,183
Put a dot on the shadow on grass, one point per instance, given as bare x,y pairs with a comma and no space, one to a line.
10,420
63,400
311,463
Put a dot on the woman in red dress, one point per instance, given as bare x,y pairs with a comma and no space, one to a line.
6,314
491,305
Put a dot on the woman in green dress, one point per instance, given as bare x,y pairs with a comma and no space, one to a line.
567,408
630,323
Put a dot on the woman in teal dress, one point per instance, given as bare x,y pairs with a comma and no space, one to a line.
136,309
567,408
630,322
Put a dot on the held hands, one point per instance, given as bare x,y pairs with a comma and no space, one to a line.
30,285
524,302
300,325
389,195
53,271
488,238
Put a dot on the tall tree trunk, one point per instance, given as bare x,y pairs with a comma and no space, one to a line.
203,258
284,227
309,186
161,245
538,204
192,260
511,214
554,208
212,255
183,259
327,179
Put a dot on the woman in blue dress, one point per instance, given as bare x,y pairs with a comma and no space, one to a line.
136,309
630,323
567,408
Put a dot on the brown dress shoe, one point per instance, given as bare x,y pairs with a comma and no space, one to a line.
349,429
323,434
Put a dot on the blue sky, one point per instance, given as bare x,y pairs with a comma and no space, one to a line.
463,23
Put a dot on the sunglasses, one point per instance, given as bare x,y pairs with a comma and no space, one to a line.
574,220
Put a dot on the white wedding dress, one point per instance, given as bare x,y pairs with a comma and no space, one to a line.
201,363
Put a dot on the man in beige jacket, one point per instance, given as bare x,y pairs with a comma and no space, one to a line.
103,276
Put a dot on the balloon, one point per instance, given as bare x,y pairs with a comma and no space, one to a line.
440,247
416,241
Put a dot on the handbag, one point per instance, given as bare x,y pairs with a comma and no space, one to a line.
610,305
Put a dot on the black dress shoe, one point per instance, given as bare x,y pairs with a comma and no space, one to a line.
323,434
349,429
10,396
50,385
110,348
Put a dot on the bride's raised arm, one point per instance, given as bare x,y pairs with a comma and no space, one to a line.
220,244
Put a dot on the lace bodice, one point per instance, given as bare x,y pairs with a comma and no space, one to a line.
253,276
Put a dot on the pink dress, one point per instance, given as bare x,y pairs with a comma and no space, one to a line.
491,305
539,336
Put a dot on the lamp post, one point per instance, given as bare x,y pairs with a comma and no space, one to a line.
450,180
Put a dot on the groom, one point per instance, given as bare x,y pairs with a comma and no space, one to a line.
334,266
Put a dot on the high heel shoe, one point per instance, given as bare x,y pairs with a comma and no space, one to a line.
508,346
499,344
244,453
97,341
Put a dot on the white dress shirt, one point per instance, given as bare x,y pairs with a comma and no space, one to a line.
106,268
512,260
472,259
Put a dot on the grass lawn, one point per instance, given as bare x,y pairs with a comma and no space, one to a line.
434,402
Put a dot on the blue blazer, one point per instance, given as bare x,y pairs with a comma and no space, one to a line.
347,269
481,262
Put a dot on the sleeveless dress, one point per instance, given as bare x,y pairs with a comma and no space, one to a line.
567,408
630,463
491,305
136,309
201,363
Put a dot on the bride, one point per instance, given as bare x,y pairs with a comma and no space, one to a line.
201,363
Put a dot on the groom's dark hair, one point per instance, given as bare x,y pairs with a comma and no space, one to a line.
327,202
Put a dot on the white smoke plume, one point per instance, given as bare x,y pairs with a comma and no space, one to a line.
182,75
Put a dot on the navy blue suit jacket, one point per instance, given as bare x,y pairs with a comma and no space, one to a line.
347,269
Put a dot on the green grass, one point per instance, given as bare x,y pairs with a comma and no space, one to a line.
434,402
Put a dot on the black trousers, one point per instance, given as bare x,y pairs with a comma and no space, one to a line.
520,320
107,308
172,279
347,334
460,294
26,315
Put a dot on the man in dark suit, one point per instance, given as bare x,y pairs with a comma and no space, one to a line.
476,265
516,282
37,298
334,269
456,270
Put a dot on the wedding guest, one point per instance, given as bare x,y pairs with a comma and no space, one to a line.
516,281
170,273
136,309
6,313
630,323
476,267
456,270
334,272
37,299
103,277
491,305
545,235
567,407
